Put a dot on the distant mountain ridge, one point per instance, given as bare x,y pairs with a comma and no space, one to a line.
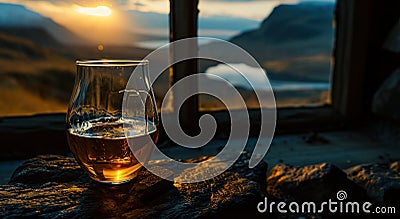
36,35
22,22
294,42
38,66
16,48
286,19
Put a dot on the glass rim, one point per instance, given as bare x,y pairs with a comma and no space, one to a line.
111,62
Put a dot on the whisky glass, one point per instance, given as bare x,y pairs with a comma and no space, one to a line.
96,127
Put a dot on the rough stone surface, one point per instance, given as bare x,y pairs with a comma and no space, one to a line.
55,187
382,181
48,168
318,183
395,166
386,101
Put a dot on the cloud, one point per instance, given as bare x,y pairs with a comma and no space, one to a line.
250,9
139,4
220,18
254,9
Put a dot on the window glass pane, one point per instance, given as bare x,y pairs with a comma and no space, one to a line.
292,40
40,41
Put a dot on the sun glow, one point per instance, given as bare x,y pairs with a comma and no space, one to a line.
102,11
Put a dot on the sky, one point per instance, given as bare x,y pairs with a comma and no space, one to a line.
108,18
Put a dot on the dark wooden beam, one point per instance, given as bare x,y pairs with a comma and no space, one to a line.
361,63
27,136
183,24
289,120
348,81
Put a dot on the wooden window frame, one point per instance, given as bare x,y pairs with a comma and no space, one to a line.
25,136
299,119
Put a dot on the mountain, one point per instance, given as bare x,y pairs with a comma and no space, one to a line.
36,35
16,48
294,42
18,20
37,59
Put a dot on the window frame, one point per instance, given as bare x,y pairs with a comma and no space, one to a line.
45,132
289,120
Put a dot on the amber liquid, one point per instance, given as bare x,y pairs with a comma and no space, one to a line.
101,147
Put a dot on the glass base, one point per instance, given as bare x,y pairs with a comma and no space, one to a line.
113,182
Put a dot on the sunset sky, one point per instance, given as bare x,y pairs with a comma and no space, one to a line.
118,20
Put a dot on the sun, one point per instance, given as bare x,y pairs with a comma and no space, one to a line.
101,11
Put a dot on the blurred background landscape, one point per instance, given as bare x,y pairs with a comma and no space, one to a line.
40,41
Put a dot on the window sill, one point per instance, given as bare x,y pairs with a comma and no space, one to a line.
27,136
